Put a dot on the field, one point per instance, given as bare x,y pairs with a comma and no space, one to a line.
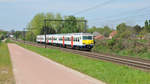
6,74
105,71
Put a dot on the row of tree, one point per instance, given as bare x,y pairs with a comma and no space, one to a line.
3,34
126,31
147,25
105,31
36,26
123,30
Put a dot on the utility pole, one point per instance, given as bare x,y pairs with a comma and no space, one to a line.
85,26
24,35
16,36
45,31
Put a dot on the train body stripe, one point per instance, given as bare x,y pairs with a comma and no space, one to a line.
72,41
63,42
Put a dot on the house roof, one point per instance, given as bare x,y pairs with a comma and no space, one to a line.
113,33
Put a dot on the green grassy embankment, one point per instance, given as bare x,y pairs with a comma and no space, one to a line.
105,71
6,74
131,48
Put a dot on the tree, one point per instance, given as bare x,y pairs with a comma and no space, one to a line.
59,24
147,27
70,26
107,31
121,28
3,34
80,25
50,25
137,29
92,29
37,26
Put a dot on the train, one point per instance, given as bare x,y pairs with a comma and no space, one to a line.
71,40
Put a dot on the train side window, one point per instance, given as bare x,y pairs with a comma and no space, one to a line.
60,38
74,39
78,39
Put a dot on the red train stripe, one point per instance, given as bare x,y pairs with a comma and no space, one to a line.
63,42
72,41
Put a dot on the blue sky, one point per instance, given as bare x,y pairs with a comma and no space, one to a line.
16,14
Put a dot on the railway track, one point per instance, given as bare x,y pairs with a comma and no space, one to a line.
129,61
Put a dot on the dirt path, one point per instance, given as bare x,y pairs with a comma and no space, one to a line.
31,68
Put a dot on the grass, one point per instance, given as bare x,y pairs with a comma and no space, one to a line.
6,74
105,71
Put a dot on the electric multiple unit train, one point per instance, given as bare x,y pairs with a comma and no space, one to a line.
73,40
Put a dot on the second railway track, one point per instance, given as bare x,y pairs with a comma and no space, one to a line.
129,61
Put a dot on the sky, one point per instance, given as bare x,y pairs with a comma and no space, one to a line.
16,14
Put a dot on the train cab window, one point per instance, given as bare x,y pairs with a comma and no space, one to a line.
87,37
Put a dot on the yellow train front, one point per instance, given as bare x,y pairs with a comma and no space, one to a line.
87,41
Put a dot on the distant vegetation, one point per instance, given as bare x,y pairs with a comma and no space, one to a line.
36,25
3,34
129,41
105,31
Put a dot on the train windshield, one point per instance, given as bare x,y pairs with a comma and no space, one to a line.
87,37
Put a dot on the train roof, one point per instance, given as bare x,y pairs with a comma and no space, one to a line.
70,34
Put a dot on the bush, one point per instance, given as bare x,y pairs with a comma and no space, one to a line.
122,47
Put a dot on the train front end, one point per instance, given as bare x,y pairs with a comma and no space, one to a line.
87,41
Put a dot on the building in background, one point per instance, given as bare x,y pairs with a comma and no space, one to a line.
112,34
98,36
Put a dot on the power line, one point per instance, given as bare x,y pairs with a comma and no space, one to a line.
123,18
135,11
94,7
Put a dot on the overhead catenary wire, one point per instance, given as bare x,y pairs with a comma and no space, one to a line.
113,21
94,7
110,18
